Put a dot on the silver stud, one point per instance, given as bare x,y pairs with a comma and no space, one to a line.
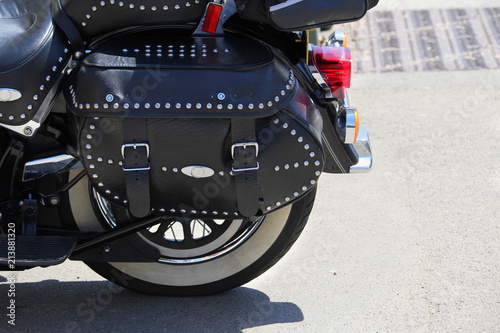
137,105
177,7
89,157
283,93
54,68
198,106
88,146
147,105
251,106
317,163
240,106
261,105
269,207
164,169
11,117
92,127
277,168
35,98
304,188
300,139
220,106
221,96
285,125
105,105
183,211
288,87
278,203
42,87
209,105
276,121
293,132
296,165
162,210
204,212
126,106
306,163
215,212
84,24
30,107
142,7
110,98
230,106
116,197
95,176
108,192
313,182
157,105
94,8
318,173
312,154
269,103
100,184
131,6
125,202
287,199
23,116
92,166
175,170
221,173
96,106
276,98
116,106
287,166
89,136
165,7
99,159
167,105
193,212
172,211
306,146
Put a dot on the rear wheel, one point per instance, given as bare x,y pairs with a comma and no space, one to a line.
198,256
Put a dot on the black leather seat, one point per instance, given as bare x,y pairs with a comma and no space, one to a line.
96,17
25,27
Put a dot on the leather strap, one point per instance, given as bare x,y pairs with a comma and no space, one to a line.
135,151
67,26
245,151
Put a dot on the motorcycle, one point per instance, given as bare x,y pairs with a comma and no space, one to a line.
174,147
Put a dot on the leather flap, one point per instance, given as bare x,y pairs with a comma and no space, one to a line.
183,77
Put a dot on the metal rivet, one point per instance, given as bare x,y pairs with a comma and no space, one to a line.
209,106
261,105
317,163
304,188
23,116
147,105
108,192
221,96
296,165
277,98
312,154
269,103
318,173
99,159
295,194
240,106
92,166
175,170
95,176
172,211
105,105
277,168
287,166
35,98
89,136
313,182
30,107
287,199
300,139
178,105
100,184
269,207
164,169
198,106
283,93
88,146
92,127
157,105
137,105
110,161
306,146
230,106
276,121
89,157
278,203
167,105
306,163
110,98
220,106
285,125
251,106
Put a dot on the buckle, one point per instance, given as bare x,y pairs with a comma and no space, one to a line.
135,146
244,145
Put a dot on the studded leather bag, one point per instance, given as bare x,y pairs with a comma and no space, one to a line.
194,126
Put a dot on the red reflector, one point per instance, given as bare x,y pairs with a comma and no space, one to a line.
212,16
334,64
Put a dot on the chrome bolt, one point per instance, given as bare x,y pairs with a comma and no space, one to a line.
54,201
221,96
28,131
110,98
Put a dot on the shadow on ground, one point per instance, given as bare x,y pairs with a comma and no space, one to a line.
100,306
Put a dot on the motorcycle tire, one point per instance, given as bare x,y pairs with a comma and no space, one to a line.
254,254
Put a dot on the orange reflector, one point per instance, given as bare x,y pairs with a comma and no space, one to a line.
212,16
356,131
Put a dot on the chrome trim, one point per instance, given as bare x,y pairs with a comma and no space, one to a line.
350,125
9,95
198,171
336,38
363,149
246,169
38,168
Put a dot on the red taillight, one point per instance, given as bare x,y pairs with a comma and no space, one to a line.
334,64
212,17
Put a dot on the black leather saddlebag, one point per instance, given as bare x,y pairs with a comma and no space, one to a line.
291,15
214,127
33,54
